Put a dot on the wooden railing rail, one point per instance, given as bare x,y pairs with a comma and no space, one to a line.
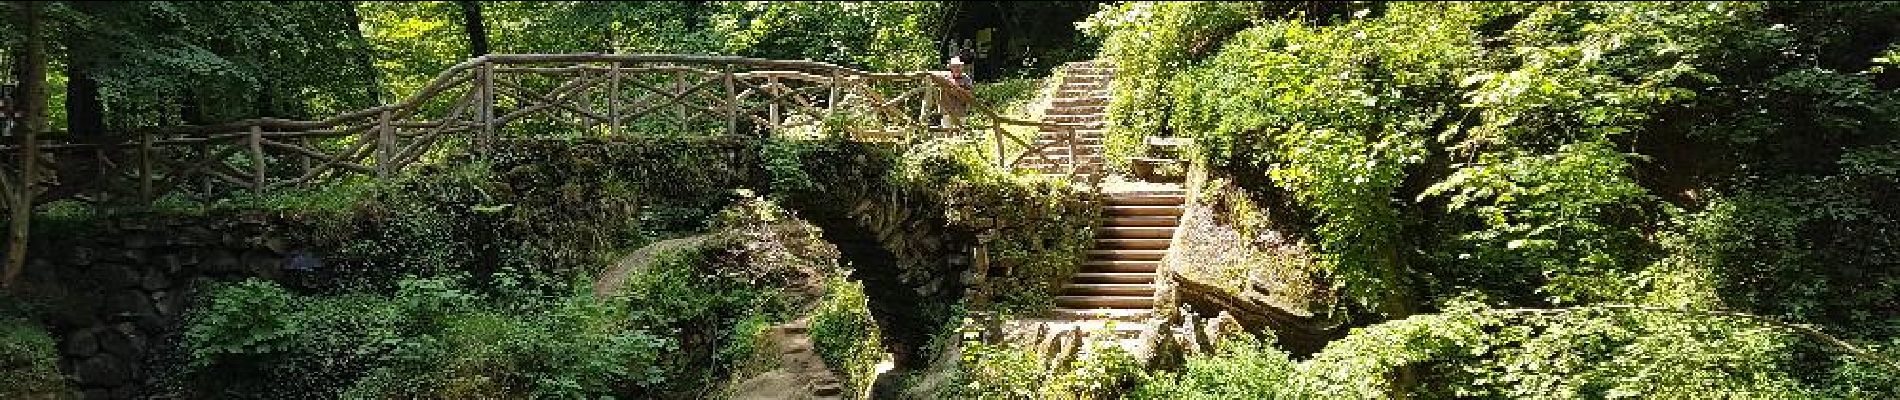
477,101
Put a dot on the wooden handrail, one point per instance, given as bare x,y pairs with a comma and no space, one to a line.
466,100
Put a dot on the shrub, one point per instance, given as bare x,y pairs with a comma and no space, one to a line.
1003,371
29,362
430,339
1242,368
845,335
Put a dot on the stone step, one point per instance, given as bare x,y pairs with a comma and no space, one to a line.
1132,243
1136,232
1096,264
1109,289
1081,164
1113,314
1083,85
1052,133
1078,119
1141,220
1083,161
1080,101
1078,147
1061,156
1086,302
1113,277
1088,110
1059,160
1094,140
1077,178
1080,93
1063,170
1134,210
1125,255
1147,200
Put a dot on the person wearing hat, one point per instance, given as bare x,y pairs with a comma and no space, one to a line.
957,73
955,102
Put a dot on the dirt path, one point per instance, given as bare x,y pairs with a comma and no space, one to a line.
614,278
801,373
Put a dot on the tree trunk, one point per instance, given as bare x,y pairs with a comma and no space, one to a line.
32,104
472,24
368,55
85,115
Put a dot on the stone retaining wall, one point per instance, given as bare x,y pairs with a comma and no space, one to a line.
117,288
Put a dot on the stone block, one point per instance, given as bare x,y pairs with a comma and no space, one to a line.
81,344
155,279
101,370
117,276
139,240
221,261
125,304
135,256
122,341
82,256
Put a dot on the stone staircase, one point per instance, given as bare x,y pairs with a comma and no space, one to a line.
1081,98
1117,280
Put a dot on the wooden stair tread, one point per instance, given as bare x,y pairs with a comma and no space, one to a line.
1113,277
1122,254
1142,220
1132,243
1105,301
1143,210
1136,232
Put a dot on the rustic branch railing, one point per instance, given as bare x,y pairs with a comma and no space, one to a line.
475,102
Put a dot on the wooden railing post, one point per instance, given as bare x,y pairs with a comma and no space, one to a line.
145,167
304,161
485,83
732,102
996,134
772,105
613,98
831,101
256,141
923,109
385,145
679,99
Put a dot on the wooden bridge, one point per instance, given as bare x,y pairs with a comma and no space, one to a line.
467,107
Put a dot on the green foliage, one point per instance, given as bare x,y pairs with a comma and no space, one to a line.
878,36
1149,41
1580,353
29,361
1242,368
155,62
845,335
1511,146
1011,96
411,41
1102,371
1485,353
1544,214
1039,229
549,27
430,339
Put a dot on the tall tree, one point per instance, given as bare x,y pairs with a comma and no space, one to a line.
472,24
32,105
366,56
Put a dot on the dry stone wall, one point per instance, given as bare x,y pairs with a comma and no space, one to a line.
118,287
